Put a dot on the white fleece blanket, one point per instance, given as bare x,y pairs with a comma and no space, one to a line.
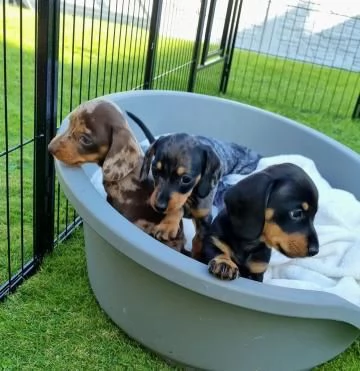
336,269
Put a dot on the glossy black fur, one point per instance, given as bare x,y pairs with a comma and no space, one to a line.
205,160
280,189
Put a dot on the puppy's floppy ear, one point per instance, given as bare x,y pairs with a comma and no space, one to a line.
211,171
149,154
246,203
122,155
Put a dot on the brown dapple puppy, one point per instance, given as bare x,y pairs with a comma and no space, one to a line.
98,132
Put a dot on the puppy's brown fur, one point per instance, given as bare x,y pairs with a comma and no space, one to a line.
98,132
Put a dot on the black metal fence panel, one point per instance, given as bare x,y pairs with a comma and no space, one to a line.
301,54
57,54
17,112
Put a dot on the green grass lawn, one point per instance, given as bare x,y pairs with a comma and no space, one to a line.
53,320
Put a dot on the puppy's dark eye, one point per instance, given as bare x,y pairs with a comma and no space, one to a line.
297,214
85,140
186,179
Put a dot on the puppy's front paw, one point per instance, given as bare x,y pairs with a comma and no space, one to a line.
166,230
145,225
223,268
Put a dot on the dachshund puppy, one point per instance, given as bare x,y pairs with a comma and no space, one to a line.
186,170
98,132
271,209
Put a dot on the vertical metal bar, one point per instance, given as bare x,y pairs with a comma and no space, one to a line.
306,87
98,56
106,46
62,64
226,33
58,211
340,70
45,124
113,46
141,52
294,62
161,48
305,63
91,47
273,72
175,47
166,60
285,58
181,59
328,46
259,52
330,72
146,42
152,43
82,52
197,46
232,40
131,45
125,41
61,106
7,184
352,94
356,112
118,53
137,51
72,80
72,57
208,29
21,143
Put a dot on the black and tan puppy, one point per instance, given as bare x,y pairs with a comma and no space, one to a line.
98,132
186,169
273,208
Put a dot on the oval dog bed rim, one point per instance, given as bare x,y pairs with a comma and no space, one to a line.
161,260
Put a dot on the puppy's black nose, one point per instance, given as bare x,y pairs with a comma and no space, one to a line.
161,206
313,250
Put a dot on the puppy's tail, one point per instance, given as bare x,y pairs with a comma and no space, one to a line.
149,136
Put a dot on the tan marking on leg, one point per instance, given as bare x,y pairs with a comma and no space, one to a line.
196,247
223,247
199,213
145,225
168,228
177,201
257,266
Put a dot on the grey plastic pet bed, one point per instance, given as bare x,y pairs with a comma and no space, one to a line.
170,303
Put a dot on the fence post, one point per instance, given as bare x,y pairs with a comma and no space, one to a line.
231,46
356,113
47,38
152,43
197,47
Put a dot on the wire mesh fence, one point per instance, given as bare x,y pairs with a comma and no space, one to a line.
300,54
58,54
17,109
